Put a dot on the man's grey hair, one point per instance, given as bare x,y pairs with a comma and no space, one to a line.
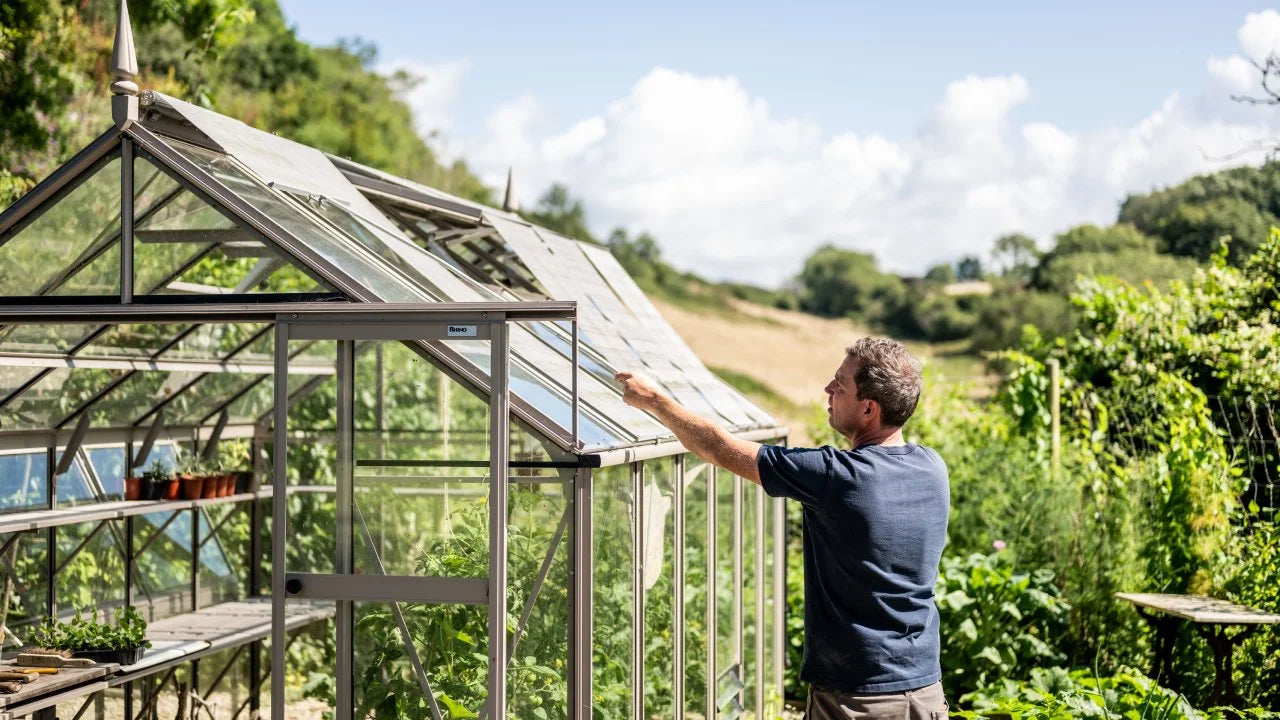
889,374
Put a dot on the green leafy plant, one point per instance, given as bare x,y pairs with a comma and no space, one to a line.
996,622
1059,694
84,633
155,471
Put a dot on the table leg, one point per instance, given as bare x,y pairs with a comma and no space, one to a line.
1223,645
1165,628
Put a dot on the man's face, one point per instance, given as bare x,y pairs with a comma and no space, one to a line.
845,413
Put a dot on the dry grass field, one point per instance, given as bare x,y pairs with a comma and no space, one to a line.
791,355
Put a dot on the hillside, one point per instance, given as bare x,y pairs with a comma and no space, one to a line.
783,359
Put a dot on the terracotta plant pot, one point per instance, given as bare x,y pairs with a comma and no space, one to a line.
192,486
211,486
171,491
132,488
228,485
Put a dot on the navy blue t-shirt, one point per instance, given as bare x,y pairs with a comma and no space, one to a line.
875,521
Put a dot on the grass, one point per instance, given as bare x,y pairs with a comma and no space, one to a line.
767,397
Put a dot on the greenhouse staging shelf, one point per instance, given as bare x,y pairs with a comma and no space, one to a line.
174,640
71,681
96,512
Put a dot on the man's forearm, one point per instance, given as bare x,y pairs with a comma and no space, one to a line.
710,442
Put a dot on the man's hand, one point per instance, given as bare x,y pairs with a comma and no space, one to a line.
638,392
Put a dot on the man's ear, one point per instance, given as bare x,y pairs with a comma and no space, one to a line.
873,409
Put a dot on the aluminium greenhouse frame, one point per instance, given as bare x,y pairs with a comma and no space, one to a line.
387,258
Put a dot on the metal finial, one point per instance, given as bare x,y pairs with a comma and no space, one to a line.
509,198
124,59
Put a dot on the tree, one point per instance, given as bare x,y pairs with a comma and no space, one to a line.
1191,218
942,274
1017,255
559,211
836,282
969,267
38,76
641,257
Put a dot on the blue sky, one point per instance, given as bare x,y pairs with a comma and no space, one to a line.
856,66
524,81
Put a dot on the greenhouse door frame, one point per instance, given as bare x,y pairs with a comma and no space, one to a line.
424,325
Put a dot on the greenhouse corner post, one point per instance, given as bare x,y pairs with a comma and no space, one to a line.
761,585
343,564
677,579
581,584
278,520
499,407
779,593
637,590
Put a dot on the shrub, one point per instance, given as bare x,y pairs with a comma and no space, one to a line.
1058,694
996,622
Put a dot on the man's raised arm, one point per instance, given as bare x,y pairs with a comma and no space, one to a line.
699,435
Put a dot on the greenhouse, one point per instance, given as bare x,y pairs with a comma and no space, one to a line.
348,442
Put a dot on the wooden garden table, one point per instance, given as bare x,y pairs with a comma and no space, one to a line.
1210,617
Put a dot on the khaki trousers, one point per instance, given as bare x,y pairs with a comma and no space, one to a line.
926,703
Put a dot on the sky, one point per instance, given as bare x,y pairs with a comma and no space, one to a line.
744,135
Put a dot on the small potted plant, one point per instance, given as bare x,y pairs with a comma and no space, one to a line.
133,487
84,637
191,477
212,480
154,482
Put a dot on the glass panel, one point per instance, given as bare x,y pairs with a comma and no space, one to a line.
772,666
108,464
24,480
131,401
54,397
750,588
206,396
68,234
130,340
26,562
537,678
427,488
223,573
698,588
454,659
727,594
164,570
185,245
12,378
93,578
41,338
613,619
659,592
327,243
75,487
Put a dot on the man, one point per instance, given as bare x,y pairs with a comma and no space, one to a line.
875,521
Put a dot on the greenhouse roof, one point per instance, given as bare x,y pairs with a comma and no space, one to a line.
222,211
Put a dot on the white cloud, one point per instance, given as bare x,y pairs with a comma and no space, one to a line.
733,190
1260,34
432,97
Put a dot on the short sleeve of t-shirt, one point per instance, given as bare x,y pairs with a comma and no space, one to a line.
802,474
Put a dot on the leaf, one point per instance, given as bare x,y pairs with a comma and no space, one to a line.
991,655
455,710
